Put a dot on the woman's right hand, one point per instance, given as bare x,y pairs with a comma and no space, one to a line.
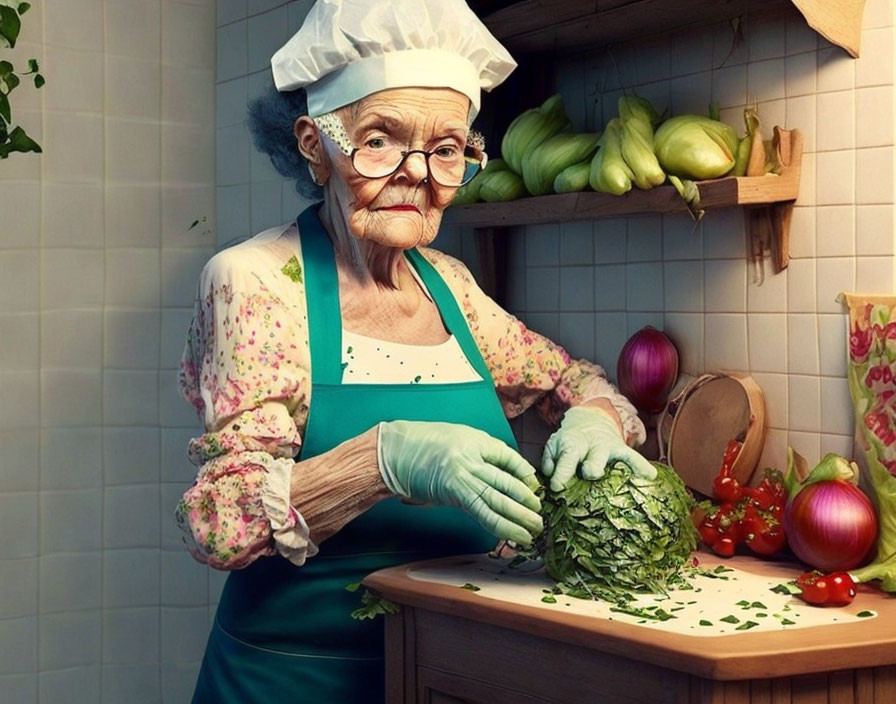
456,465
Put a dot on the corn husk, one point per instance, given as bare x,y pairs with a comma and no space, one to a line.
531,128
609,172
542,165
573,178
696,147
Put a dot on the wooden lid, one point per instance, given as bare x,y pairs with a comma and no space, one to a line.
699,422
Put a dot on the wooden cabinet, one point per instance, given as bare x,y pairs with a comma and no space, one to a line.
551,25
449,646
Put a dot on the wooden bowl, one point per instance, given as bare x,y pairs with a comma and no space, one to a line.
696,425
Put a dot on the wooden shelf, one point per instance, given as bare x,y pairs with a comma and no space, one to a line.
768,201
715,193
556,25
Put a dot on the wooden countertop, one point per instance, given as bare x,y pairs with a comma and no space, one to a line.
748,655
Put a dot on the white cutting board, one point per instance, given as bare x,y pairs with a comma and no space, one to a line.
735,600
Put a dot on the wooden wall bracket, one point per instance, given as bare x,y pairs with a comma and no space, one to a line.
768,226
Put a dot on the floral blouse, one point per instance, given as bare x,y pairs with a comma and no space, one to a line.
246,371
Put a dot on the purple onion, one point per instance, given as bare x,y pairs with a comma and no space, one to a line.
647,369
831,525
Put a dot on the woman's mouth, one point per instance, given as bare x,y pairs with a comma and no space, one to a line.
402,208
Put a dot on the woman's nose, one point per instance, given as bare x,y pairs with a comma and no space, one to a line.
415,167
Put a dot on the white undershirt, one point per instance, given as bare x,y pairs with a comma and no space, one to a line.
369,360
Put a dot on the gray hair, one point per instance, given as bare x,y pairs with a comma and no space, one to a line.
270,120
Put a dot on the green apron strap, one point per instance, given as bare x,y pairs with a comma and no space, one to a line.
452,316
322,298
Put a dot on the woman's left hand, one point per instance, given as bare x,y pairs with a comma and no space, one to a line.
588,438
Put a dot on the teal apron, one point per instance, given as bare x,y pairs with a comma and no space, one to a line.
284,633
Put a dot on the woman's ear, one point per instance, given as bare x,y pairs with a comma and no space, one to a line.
310,146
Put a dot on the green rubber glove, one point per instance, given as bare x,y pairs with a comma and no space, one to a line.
589,438
456,465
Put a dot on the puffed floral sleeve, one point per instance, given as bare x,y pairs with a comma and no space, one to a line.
528,369
245,369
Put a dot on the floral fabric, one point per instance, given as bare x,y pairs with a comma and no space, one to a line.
872,370
246,371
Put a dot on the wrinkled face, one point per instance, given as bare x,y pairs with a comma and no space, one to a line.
405,208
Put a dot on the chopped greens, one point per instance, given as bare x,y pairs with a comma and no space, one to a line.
704,622
785,588
730,619
373,605
471,587
650,612
865,614
746,625
618,535
549,599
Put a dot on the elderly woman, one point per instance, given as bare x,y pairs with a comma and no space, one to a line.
347,373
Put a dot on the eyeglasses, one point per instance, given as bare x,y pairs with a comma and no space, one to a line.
447,165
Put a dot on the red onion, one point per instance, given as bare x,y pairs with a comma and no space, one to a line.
831,525
647,369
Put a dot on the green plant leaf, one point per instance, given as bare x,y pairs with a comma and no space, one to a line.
4,110
10,24
32,66
38,80
6,68
23,7
12,81
21,142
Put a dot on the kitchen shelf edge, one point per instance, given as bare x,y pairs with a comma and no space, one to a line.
716,193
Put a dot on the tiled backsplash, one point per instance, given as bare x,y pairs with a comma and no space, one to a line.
98,263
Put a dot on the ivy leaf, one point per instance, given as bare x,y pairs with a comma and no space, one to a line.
32,65
4,110
23,7
38,80
6,68
21,142
11,81
10,24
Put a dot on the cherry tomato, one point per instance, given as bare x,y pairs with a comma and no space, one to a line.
759,497
772,486
842,588
727,489
835,589
732,450
765,539
724,546
709,530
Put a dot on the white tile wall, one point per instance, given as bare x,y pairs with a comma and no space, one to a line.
56,686
70,582
131,683
71,213
82,270
835,231
134,28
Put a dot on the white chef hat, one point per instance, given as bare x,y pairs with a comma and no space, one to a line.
348,49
